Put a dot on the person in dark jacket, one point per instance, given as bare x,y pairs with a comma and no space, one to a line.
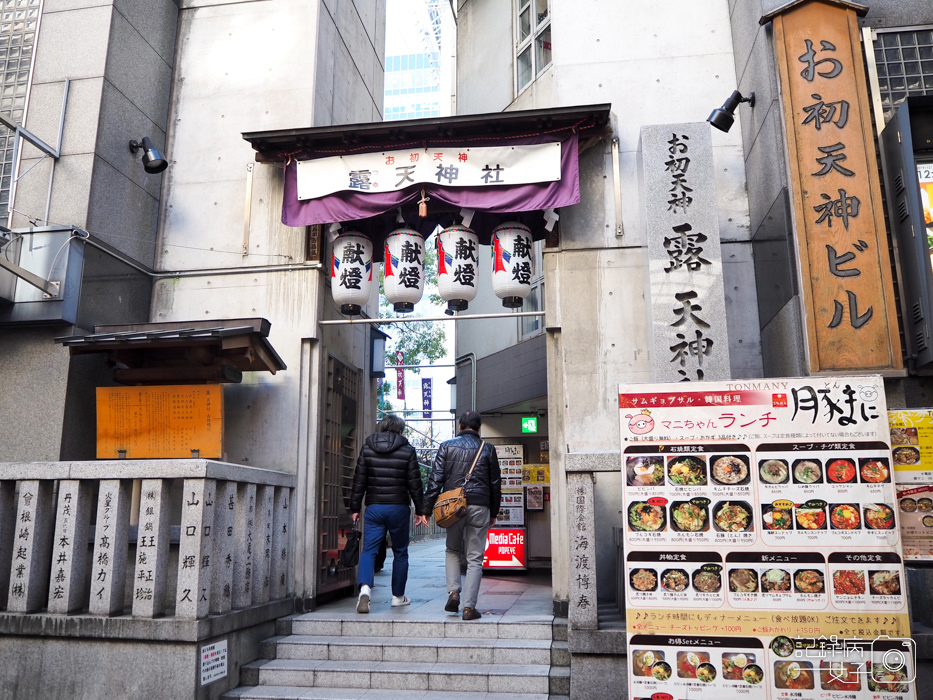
387,475
483,491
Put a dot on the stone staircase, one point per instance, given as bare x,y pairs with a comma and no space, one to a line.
373,658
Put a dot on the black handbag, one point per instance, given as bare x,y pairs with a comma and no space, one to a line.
350,554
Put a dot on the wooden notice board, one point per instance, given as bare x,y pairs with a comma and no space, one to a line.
845,270
160,422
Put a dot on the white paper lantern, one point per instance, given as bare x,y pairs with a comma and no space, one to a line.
403,271
351,272
512,264
457,266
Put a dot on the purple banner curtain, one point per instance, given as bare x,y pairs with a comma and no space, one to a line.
345,206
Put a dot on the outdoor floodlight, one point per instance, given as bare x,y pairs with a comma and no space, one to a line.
723,117
153,161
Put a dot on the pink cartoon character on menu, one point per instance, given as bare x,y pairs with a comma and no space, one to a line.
641,423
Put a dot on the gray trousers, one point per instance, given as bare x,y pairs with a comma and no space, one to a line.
469,533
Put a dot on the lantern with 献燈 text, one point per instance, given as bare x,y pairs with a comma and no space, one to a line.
457,263
512,263
351,272
403,269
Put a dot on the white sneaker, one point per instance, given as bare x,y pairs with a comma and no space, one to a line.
362,605
400,600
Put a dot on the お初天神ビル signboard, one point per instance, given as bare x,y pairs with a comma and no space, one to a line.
848,296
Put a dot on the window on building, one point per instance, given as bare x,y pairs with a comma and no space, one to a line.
19,22
903,62
532,40
534,325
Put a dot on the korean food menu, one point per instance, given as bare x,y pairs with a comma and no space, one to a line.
763,556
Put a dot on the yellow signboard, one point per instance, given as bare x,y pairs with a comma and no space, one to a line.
160,422
536,474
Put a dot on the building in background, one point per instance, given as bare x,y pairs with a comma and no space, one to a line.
419,60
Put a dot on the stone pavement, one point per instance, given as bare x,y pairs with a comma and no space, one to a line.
503,596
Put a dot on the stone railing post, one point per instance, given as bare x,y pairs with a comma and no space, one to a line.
152,543
243,545
7,535
278,574
222,562
195,549
262,544
68,584
582,612
32,547
111,541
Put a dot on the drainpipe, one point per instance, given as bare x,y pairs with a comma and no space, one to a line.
472,358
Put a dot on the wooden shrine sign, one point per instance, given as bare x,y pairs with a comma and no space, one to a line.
845,271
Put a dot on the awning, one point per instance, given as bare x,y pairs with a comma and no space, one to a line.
376,214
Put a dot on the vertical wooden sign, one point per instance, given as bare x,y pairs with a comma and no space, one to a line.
848,296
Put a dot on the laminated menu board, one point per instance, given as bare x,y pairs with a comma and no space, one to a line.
912,445
762,554
915,511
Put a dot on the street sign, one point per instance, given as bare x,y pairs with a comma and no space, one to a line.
505,549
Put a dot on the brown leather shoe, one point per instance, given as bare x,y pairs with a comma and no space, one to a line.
471,614
453,602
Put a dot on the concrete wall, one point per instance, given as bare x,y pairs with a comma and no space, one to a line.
119,56
652,70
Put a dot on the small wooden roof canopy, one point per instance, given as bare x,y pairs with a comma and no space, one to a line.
187,352
274,146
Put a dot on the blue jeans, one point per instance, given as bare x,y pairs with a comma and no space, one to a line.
377,519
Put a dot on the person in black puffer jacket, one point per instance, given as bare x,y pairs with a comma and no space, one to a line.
387,475
483,492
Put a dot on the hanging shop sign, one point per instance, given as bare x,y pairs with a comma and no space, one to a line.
762,554
391,171
457,262
426,397
845,271
403,271
512,263
351,272
688,303
400,376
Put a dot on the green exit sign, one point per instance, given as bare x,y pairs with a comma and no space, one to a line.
530,424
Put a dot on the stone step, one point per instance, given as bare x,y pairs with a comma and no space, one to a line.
396,675
414,649
277,692
453,629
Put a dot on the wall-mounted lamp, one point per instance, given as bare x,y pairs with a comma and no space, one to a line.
377,345
723,117
153,161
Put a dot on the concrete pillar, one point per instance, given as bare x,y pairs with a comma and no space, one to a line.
582,613
222,561
7,536
195,549
151,549
68,584
243,558
263,544
32,547
278,574
111,542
